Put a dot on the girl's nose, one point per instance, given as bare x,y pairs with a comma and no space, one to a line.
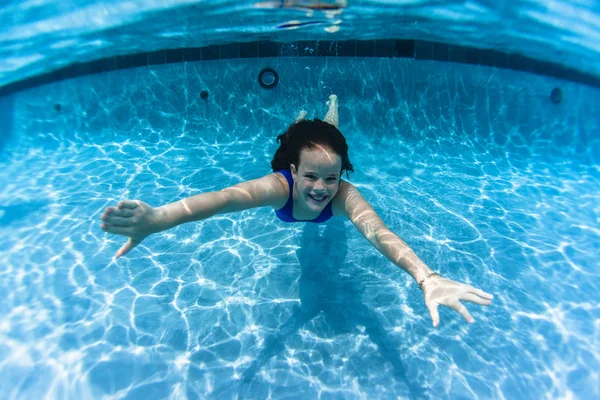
319,186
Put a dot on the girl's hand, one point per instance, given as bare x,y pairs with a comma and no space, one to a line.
438,290
134,219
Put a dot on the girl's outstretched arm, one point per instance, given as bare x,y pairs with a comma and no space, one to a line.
437,290
137,220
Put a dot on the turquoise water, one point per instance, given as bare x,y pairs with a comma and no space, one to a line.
487,180
38,36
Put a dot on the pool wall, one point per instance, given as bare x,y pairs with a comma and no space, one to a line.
382,48
513,109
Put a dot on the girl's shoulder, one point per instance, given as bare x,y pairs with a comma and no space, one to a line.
348,201
283,189
282,179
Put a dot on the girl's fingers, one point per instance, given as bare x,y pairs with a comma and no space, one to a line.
126,247
127,204
475,299
125,212
433,311
462,310
117,221
481,293
117,230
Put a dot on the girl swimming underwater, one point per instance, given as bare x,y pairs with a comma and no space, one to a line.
306,186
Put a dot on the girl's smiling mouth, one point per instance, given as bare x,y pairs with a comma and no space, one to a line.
318,199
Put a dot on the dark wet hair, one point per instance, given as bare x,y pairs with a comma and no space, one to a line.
306,134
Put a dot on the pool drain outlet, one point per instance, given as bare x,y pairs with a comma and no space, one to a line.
268,78
556,95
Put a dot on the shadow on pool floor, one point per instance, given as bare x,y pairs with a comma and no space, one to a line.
323,289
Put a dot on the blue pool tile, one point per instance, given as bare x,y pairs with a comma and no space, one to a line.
96,67
471,56
156,57
173,56
288,49
140,60
456,54
346,48
404,48
486,57
124,62
109,64
440,51
327,48
501,60
423,50
248,50
210,53
229,51
75,70
544,68
521,63
384,48
365,48
267,48
192,54
307,48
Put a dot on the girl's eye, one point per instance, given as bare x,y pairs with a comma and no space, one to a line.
331,179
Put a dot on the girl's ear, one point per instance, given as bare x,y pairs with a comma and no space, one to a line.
293,171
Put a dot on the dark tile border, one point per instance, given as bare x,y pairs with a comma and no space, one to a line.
386,48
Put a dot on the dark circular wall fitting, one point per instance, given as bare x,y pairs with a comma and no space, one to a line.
268,78
204,95
556,95
57,107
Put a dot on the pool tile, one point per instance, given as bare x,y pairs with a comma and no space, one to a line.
471,55
248,50
456,54
156,57
210,53
307,48
404,48
288,49
384,48
229,51
521,63
440,51
346,48
267,48
365,48
327,48
192,54
486,57
544,68
423,50
501,60
140,60
124,62
173,56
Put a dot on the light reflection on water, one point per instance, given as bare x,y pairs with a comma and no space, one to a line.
489,182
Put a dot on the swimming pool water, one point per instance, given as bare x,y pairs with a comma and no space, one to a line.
487,180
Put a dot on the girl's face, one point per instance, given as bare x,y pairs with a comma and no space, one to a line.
317,178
